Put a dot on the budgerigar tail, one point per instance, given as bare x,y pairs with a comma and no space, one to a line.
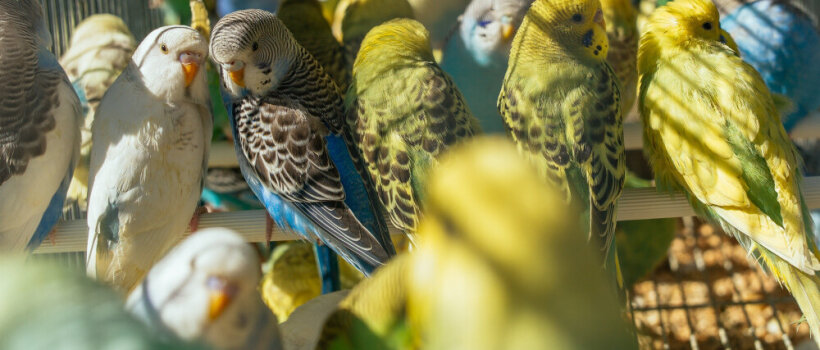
803,287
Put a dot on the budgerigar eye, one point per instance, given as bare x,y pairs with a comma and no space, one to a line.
577,18
164,48
255,46
707,26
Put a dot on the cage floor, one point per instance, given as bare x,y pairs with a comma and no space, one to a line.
710,295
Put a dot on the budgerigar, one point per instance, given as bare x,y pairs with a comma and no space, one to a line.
288,128
226,190
464,287
404,111
150,139
40,120
622,31
561,103
101,47
205,289
783,45
476,55
463,267
310,29
354,18
711,128
77,313
290,278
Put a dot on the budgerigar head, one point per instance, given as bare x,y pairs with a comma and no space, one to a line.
28,13
254,49
170,61
684,21
204,286
488,26
99,23
578,26
395,41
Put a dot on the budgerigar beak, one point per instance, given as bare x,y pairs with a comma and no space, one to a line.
220,296
599,18
507,31
190,65
236,70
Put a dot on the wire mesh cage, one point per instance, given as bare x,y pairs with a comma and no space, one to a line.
64,15
710,295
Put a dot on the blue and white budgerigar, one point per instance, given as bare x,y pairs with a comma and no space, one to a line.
783,45
101,47
151,137
476,55
205,289
288,127
40,121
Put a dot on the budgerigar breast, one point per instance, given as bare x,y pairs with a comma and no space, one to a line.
285,147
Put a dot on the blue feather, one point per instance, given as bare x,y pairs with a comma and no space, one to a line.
328,268
54,210
224,7
784,46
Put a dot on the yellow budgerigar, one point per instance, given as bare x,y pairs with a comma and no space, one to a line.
622,31
561,103
501,264
711,128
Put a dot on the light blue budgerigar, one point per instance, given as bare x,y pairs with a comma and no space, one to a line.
476,55
224,7
781,43
289,130
40,118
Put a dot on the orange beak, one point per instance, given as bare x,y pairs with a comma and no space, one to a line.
238,76
190,70
507,31
219,301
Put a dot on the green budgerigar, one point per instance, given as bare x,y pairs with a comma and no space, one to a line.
305,21
404,111
561,102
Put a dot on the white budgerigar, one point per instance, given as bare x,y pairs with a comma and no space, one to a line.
150,143
206,289
39,128
476,55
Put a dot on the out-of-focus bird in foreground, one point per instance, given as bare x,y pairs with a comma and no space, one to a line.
400,135
288,127
476,55
101,47
561,103
151,137
465,287
783,45
205,289
40,120
78,313
733,159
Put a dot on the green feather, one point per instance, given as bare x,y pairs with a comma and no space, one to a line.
756,174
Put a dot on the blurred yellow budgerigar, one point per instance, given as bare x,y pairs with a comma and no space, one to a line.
501,264
354,18
711,128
